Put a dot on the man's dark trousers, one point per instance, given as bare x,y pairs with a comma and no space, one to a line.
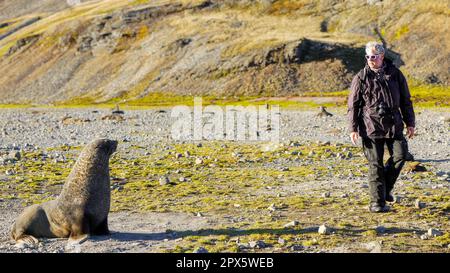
382,177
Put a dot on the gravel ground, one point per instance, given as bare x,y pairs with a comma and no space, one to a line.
149,232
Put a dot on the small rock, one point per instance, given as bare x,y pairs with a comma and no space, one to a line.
324,230
242,245
164,180
199,145
397,199
434,232
187,154
199,161
272,207
423,237
182,179
344,195
297,248
15,155
200,250
374,247
281,241
295,144
237,154
380,229
419,205
257,244
291,224
178,155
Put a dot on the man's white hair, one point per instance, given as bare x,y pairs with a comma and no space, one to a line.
374,47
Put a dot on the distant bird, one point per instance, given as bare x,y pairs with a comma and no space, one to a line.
324,112
117,110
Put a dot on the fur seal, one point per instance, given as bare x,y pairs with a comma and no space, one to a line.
82,207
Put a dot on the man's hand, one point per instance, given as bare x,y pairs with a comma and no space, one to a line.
354,137
410,132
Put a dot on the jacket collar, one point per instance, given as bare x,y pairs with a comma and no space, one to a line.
387,67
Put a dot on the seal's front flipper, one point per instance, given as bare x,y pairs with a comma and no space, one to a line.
102,229
77,239
80,233
25,241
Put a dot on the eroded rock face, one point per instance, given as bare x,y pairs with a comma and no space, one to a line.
20,44
108,31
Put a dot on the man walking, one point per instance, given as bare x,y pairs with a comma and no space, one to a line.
378,104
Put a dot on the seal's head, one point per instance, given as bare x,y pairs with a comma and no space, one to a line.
105,145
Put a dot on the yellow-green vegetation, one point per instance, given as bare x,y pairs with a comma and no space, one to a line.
402,31
244,181
421,95
12,106
427,95
5,49
159,99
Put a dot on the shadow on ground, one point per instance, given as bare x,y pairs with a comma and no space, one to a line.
131,236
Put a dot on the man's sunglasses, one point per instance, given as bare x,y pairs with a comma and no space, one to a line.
372,57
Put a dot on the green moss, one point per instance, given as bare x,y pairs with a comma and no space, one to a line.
444,239
5,49
429,95
423,96
14,106
401,32
242,191
310,243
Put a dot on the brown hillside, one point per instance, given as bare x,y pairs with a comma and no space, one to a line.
101,50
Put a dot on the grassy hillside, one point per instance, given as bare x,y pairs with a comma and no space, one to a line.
131,50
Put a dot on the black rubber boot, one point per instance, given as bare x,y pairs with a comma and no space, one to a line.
377,208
